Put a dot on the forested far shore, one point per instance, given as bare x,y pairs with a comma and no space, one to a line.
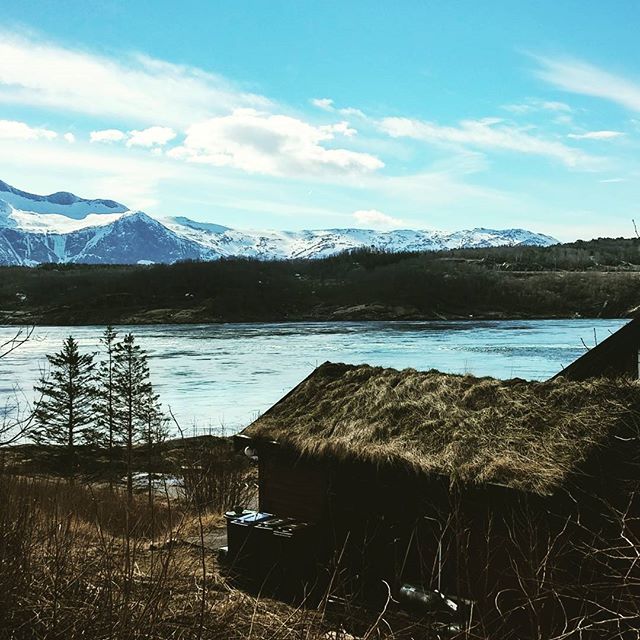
599,278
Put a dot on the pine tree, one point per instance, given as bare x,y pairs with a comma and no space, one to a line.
64,415
105,406
134,398
155,430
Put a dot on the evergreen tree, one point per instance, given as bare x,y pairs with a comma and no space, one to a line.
135,418
105,406
64,415
155,430
134,398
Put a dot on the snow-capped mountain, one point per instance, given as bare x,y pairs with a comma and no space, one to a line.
322,243
65,228
132,238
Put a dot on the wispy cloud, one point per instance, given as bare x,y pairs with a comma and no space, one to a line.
106,172
351,111
596,135
555,106
325,104
135,88
534,104
577,76
260,142
16,130
488,133
328,104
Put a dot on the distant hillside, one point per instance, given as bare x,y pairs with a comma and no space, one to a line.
600,278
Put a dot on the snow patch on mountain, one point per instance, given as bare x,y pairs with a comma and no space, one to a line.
61,203
6,215
51,222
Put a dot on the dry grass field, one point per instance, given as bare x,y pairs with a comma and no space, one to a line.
77,561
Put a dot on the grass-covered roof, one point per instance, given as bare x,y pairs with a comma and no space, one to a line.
527,435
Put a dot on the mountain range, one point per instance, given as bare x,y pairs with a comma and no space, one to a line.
64,228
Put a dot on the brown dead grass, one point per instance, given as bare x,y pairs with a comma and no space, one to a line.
526,435
70,570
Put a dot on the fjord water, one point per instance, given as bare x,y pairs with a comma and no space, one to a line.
217,378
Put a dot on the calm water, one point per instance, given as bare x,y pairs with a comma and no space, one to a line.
219,377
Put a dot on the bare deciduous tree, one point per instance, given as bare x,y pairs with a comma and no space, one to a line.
16,417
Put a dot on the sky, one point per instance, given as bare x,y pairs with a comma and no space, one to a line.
302,114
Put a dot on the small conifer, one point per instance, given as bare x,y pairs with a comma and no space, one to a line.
64,415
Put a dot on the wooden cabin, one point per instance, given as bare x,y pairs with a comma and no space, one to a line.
506,494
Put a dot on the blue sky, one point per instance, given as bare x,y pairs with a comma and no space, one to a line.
298,114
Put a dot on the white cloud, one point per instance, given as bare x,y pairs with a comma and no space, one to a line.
488,133
596,135
327,104
613,180
376,219
342,128
271,144
69,137
137,89
576,76
438,198
13,129
150,137
107,135
323,103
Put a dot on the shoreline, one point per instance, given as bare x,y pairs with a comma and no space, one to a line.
167,317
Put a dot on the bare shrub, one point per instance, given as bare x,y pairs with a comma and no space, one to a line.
215,480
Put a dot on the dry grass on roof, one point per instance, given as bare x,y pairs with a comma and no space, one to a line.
527,435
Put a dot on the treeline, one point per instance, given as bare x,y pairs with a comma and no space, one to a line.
603,254
597,278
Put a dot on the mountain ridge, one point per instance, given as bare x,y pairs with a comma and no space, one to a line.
63,227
